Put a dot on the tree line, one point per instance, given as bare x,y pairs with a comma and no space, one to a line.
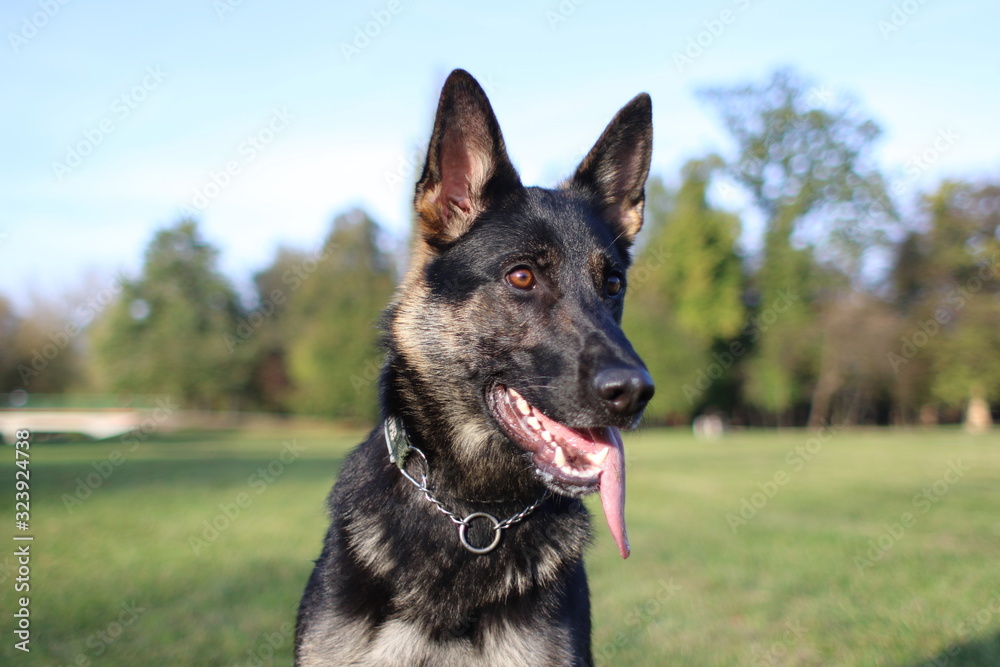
864,303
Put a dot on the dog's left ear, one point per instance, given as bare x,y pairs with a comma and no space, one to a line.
467,167
615,170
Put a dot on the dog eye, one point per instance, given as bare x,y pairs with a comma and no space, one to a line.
613,285
521,278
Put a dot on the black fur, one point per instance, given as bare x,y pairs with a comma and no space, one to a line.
393,585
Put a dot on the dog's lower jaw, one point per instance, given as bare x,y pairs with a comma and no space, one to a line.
572,461
470,458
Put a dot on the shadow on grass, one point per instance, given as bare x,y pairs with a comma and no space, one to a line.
981,652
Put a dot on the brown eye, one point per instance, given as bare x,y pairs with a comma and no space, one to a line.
614,285
521,278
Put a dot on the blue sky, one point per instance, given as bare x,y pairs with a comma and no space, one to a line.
122,115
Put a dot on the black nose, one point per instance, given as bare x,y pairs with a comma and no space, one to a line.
625,389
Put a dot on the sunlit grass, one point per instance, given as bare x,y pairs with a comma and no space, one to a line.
786,588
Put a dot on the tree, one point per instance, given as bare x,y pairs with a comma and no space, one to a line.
9,358
807,166
40,351
967,361
685,293
331,320
267,330
856,333
167,333
808,169
959,312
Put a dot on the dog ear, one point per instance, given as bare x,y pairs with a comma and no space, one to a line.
467,167
615,170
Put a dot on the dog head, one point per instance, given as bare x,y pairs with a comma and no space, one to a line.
506,330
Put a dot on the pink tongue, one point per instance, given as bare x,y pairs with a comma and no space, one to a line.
612,477
612,486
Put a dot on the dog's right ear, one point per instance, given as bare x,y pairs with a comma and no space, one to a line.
467,166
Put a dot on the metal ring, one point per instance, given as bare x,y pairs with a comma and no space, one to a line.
462,527
420,485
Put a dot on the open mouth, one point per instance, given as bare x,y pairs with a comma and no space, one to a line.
570,461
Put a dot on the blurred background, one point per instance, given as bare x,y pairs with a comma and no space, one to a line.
211,199
204,206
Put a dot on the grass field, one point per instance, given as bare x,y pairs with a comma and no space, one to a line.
880,548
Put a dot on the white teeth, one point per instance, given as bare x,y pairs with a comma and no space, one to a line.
560,459
575,471
598,458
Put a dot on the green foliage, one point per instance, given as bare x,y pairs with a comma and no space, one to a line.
702,283
960,280
806,163
770,377
783,360
39,352
800,328
331,323
9,358
167,332
808,169
673,358
267,330
684,291
967,356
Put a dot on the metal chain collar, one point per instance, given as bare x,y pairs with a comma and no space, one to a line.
399,449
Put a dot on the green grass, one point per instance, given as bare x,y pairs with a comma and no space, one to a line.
784,589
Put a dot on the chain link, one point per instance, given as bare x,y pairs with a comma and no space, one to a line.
502,525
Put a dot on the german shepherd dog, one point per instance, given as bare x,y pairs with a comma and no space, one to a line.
457,528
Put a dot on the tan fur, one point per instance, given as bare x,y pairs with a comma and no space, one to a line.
367,539
392,586
404,644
